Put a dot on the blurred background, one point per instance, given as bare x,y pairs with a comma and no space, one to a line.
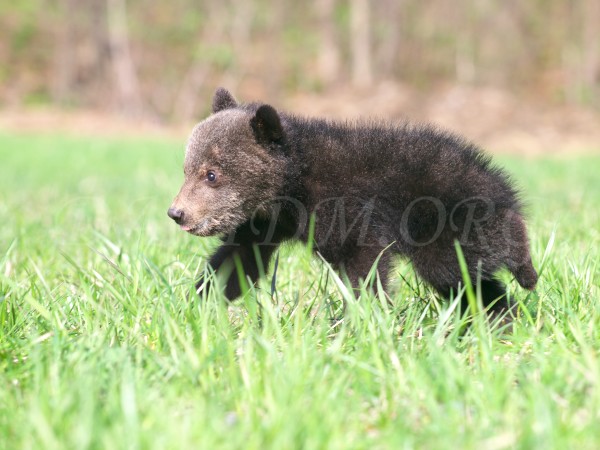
513,75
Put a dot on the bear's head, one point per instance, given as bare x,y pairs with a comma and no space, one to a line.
234,164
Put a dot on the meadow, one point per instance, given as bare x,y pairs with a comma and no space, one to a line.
102,346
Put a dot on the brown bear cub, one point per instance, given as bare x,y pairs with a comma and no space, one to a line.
257,176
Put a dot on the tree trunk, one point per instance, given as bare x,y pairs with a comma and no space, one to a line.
329,54
185,105
387,54
64,56
125,78
591,47
362,71
464,62
241,44
276,58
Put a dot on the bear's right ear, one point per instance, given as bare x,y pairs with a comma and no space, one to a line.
223,100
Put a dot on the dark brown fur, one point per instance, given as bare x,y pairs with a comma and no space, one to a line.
375,190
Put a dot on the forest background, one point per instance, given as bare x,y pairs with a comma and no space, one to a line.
512,75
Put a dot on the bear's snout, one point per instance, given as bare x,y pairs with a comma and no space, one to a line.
176,214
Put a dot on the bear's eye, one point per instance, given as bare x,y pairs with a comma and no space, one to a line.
211,176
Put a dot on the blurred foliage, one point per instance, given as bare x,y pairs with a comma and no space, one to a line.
160,53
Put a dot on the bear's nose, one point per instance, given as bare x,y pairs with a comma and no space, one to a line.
176,215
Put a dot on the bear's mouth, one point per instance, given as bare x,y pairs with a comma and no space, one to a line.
204,228
215,225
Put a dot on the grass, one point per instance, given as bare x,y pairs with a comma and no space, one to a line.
102,347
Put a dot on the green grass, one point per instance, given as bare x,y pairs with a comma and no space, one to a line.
102,347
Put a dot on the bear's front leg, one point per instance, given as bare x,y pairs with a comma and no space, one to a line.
253,252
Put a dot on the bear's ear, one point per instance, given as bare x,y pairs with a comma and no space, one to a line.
223,100
266,125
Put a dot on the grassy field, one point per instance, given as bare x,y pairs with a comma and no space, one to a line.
102,348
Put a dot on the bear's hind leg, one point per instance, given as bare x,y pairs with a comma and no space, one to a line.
446,282
359,266
493,295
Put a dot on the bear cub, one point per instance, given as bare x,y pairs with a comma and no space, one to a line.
257,177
